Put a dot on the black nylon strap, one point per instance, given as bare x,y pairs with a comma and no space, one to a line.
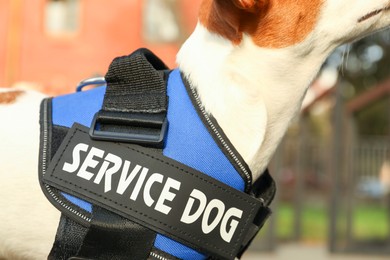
264,187
135,103
136,93
68,239
108,237
111,236
135,85
135,88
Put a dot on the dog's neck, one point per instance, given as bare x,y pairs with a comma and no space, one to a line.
252,92
251,61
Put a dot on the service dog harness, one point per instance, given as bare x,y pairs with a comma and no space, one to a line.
139,170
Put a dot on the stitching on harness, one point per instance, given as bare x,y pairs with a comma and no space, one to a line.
221,139
44,167
156,220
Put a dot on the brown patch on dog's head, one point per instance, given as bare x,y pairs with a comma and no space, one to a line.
270,23
10,96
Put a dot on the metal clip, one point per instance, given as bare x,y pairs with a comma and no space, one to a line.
91,81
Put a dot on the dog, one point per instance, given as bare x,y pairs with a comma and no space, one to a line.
251,62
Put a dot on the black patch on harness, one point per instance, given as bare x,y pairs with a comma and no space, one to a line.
157,192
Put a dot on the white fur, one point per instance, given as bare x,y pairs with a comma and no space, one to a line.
253,92
27,221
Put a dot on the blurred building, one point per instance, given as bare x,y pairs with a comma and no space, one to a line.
54,44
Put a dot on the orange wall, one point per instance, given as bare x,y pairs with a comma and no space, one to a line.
4,6
190,9
107,29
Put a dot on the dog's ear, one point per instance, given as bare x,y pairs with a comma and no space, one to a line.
250,5
230,18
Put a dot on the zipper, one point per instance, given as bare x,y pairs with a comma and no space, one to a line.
220,138
44,167
157,256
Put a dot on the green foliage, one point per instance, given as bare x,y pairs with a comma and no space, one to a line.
374,120
367,62
368,222
363,65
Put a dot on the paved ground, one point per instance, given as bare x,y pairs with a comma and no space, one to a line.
307,252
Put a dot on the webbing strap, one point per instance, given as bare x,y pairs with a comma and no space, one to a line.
69,237
134,85
135,101
134,88
108,237
111,236
264,187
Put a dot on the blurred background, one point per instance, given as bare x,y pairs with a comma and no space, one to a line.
333,167
51,45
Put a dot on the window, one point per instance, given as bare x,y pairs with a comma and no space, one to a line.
160,21
62,16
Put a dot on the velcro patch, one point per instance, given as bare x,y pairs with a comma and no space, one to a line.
154,191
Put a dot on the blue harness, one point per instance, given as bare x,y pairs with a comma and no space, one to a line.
193,139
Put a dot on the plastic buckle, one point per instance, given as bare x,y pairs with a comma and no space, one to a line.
154,138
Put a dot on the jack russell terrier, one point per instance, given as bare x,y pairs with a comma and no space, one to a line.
250,62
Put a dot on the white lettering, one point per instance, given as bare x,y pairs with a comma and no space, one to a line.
210,213
201,197
232,212
155,177
166,194
90,162
75,157
125,180
107,173
214,204
206,208
139,184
